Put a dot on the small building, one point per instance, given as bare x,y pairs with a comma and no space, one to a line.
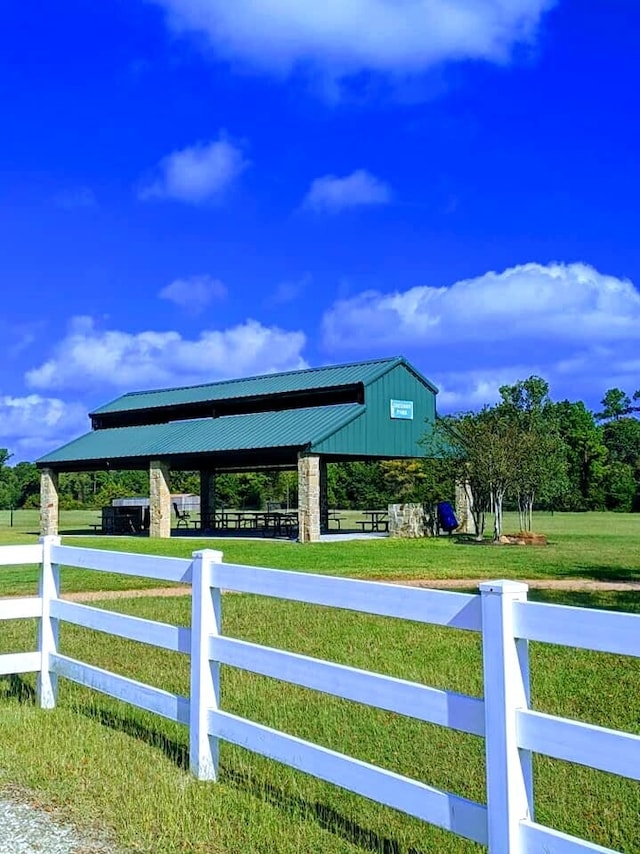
300,420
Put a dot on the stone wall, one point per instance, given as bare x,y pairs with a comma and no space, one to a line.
409,521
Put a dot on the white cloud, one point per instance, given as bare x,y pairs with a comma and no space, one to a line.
332,194
90,358
569,323
195,293
346,36
32,425
196,174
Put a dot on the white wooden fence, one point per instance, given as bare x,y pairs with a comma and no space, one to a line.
507,621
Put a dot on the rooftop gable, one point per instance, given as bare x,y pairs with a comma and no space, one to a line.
275,384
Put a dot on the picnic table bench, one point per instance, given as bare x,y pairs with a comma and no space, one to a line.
378,520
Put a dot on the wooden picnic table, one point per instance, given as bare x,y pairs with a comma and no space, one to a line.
272,522
332,516
378,520
279,523
223,520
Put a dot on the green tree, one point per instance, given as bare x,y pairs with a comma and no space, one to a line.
404,480
479,449
621,487
526,398
615,405
9,492
538,454
253,490
421,481
622,440
586,457
185,482
363,485
27,479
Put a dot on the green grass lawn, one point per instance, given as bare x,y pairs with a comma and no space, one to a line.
599,546
107,765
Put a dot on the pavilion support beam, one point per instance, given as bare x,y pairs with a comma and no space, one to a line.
207,496
48,502
309,498
324,497
160,499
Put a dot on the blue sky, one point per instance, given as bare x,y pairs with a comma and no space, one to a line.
196,189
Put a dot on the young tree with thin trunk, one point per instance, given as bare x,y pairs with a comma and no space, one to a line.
478,447
538,453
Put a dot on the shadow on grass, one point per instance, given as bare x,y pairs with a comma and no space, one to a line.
609,600
87,532
487,540
292,805
326,817
599,572
16,688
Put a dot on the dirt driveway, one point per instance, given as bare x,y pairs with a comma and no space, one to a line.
578,584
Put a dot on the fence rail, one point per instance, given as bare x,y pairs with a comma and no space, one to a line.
17,555
585,628
432,705
456,610
512,730
163,635
443,809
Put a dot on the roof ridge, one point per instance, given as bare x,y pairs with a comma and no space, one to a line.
230,381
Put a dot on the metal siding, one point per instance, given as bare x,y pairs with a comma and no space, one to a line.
287,428
305,380
375,433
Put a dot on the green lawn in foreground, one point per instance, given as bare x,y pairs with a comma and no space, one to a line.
108,765
112,766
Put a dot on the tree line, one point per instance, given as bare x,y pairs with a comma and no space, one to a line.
524,451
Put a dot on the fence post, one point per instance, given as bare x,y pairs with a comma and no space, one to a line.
206,620
48,628
506,689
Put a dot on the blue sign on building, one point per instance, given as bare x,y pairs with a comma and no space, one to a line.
402,409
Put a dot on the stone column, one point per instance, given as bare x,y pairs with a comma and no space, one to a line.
160,499
48,502
466,525
309,498
207,497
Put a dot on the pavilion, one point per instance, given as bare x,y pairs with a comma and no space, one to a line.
300,420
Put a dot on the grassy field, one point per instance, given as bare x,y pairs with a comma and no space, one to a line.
597,546
106,765
111,766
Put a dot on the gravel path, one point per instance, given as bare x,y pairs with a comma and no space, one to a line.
27,830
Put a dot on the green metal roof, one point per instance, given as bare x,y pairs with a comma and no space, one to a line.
298,428
291,381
